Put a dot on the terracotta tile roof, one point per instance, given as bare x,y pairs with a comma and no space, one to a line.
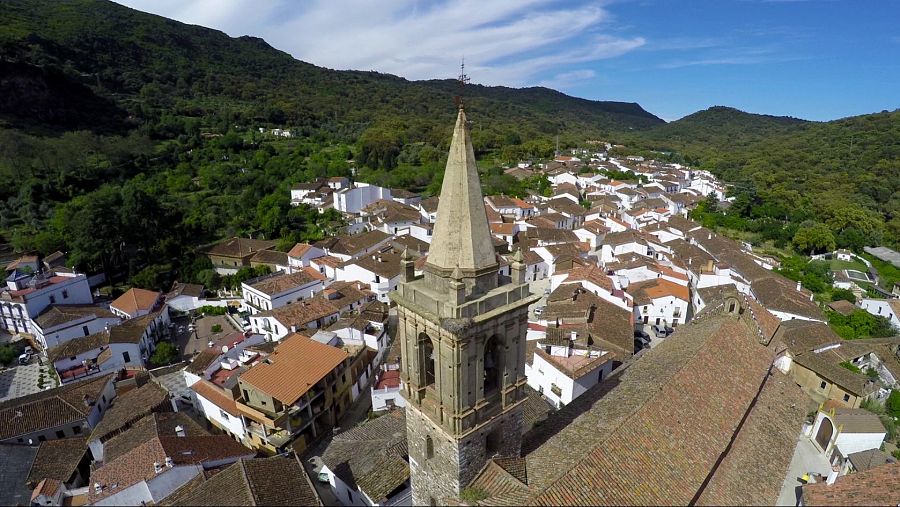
876,486
328,260
57,459
668,416
78,345
780,294
267,481
217,396
137,466
646,291
857,420
801,336
753,471
594,274
130,407
157,424
864,460
301,313
135,300
240,247
270,257
48,409
502,487
56,315
826,364
299,249
279,283
386,264
350,455
203,360
354,245
842,306
297,364
185,289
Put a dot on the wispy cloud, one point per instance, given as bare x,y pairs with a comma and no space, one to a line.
510,42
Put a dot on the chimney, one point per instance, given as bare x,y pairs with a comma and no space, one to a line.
97,488
157,467
709,236
169,462
798,286
573,335
179,431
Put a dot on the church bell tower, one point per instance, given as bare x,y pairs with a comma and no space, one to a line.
462,330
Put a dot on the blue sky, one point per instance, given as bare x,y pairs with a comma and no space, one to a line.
817,60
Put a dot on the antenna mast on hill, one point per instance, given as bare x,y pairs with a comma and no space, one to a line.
461,82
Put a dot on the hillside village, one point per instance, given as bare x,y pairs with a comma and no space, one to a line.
633,313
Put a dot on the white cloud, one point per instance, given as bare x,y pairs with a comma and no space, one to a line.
509,42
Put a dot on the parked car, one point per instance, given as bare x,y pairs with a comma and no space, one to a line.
642,334
25,358
539,310
323,477
640,343
547,291
660,330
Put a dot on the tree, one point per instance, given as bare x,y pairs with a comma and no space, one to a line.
843,294
813,237
165,353
892,405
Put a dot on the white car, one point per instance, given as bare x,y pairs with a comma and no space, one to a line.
539,310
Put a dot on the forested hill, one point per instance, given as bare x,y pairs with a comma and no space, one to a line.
842,174
151,65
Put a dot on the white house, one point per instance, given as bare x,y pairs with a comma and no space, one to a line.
278,289
129,344
562,369
136,302
847,431
27,295
381,271
302,254
352,200
887,308
660,301
185,297
58,324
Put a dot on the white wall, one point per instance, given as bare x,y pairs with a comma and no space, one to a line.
71,330
848,443
211,411
352,200
881,308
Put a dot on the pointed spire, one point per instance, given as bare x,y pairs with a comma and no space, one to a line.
461,234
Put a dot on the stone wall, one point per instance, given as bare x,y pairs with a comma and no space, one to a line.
455,462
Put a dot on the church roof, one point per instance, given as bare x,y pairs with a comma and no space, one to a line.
461,234
686,423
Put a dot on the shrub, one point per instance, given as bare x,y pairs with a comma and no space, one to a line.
8,354
850,366
217,328
472,495
892,405
213,310
165,353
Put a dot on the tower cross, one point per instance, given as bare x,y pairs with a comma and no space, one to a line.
461,82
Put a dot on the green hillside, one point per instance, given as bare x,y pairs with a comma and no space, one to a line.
130,140
791,174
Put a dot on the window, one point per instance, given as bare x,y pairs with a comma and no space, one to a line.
246,396
60,434
429,447
42,438
126,357
427,359
223,414
350,495
377,279
846,397
65,294
76,430
491,366
823,384
85,330
52,299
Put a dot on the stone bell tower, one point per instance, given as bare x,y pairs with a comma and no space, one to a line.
462,331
